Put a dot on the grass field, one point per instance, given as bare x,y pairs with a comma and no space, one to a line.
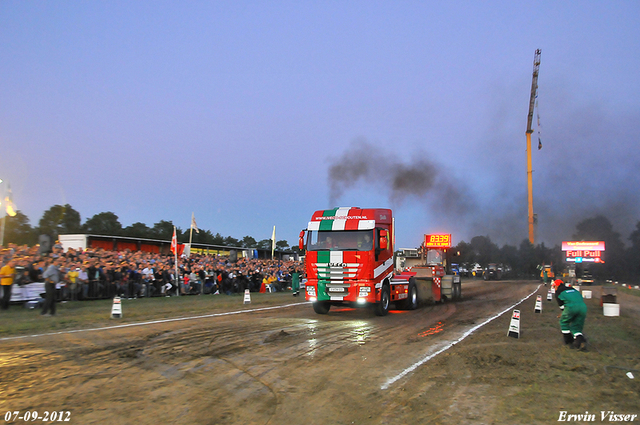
89,314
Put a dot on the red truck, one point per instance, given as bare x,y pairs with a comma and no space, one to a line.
349,259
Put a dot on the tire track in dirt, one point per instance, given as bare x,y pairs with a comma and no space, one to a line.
266,367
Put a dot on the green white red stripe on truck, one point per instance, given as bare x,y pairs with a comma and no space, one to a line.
344,218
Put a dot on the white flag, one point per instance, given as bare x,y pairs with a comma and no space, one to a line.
194,226
273,241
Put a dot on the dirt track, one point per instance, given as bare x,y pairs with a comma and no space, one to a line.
284,366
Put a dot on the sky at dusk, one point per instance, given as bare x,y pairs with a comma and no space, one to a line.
252,114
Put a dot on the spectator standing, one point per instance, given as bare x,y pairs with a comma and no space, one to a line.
35,271
7,274
147,278
83,282
157,280
95,286
72,278
167,280
194,286
51,278
202,277
182,282
295,282
134,282
22,275
228,281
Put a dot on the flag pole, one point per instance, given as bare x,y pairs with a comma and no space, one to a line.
175,257
4,217
191,233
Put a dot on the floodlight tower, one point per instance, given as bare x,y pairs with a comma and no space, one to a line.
532,102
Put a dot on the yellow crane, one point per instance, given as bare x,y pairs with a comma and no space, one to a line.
532,102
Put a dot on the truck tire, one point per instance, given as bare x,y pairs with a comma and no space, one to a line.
412,301
382,308
321,307
456,291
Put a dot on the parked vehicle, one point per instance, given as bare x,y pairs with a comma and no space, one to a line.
492,272
587,278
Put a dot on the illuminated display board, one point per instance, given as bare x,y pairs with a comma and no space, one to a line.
580,256
584,251
583,245
437,241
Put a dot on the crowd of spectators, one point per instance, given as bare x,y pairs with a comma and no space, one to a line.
96,273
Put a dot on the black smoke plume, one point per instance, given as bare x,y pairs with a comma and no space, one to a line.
417,177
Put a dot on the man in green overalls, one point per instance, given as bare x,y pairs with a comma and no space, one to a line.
295,282
574,312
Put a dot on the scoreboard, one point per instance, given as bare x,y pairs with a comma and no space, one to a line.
584,251
581,256
437,241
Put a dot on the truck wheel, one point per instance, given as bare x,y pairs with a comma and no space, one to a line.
457,291
321,307
382,308
412,301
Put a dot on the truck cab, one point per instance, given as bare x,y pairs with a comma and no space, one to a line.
349,258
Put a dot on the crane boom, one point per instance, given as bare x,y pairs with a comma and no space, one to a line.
534,89
532,102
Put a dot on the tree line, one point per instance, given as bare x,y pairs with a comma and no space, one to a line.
64,219
621,262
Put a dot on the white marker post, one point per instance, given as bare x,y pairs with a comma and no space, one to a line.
514,327
247,297
116,310
538,304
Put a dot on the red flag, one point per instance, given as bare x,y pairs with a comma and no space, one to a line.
174,242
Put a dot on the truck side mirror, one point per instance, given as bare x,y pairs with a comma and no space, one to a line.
301,240
383,239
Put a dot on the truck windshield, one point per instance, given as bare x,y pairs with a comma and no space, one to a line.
347,240
434,256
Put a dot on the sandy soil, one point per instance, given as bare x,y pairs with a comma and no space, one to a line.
292,366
